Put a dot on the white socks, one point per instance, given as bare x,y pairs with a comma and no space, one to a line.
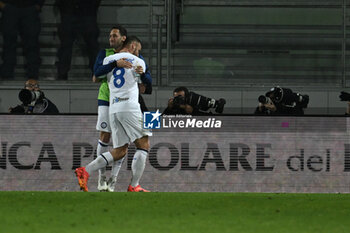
102,148
116,168
100,162
138,166
105,158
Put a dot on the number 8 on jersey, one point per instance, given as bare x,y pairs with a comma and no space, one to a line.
119,79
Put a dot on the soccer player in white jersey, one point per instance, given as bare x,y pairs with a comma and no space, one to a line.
125,118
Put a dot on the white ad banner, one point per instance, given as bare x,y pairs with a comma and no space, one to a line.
231,154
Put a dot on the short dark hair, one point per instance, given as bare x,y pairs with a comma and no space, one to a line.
121,29
184,89
131,39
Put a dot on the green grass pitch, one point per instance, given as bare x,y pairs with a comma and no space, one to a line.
79,212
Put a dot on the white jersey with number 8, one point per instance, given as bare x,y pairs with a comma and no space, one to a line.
123,87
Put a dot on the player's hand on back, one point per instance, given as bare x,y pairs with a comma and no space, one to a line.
139,70
123,63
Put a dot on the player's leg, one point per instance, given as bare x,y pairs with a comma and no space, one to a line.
102,147
83,173
103,126
114,174
132,125
120,148
126,128
138,164
119,140
118,155
103,160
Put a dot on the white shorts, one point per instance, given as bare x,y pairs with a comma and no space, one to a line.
127,127
103,119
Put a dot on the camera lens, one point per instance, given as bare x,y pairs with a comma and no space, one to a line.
262,99
25,96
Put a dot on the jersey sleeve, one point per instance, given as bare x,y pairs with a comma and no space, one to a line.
101,68
143,65
146,77
99,59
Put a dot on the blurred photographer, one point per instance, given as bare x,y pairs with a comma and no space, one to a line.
33,100
185,102
282,101
345,96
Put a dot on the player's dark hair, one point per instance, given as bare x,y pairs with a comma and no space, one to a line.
121,29
184,89
131,39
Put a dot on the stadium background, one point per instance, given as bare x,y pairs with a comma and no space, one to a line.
222,48
219,48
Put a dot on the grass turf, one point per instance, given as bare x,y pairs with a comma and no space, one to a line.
173,212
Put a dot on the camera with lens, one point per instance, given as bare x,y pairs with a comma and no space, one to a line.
287,98
203,103
199,103
285,101
344,96
179,100
28,97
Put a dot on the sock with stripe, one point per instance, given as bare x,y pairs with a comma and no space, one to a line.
100,162
138,166
102,147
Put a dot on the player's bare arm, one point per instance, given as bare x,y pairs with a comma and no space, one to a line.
123,63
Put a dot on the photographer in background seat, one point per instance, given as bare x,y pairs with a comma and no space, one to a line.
281,101
33,100
185,102
345,96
